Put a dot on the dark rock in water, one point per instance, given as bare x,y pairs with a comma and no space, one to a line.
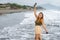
4,39
56,25
0,13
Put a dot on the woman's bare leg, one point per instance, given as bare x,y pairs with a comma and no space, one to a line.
38,37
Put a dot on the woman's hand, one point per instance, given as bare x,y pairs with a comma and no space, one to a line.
35,10
35,4
46,32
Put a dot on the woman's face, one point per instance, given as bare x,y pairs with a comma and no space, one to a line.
40,15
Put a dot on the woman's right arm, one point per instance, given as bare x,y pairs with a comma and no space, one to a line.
35,10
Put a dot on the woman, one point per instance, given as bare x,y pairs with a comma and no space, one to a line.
38,23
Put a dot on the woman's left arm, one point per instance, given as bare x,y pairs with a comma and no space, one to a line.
44,26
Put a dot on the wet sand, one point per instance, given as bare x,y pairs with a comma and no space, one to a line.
12,11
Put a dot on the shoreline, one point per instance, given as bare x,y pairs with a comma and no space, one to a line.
12,11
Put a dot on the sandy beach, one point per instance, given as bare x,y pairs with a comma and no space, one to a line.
13,11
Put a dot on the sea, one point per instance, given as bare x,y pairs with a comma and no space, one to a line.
20,25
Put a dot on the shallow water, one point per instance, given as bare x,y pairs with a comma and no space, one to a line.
21,27
11,19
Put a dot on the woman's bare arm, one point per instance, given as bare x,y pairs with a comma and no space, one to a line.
44,26
35,10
